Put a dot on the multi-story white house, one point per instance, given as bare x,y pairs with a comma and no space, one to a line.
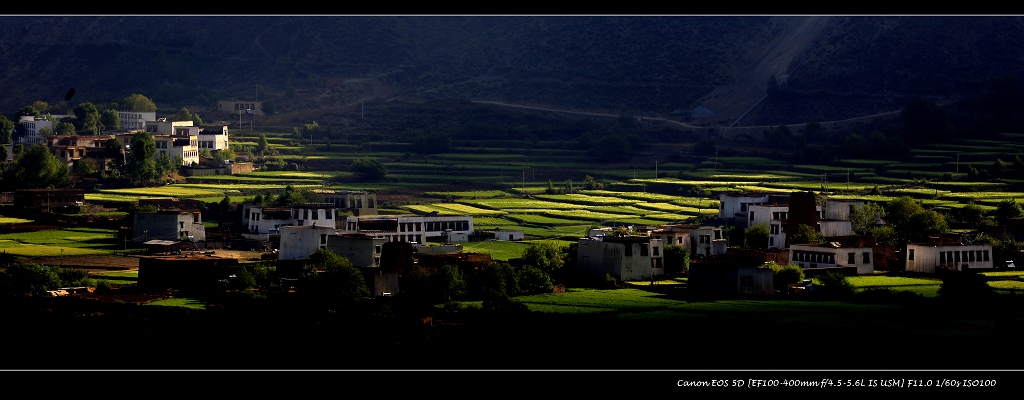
32,127
270,220
410,228
930,257
182,145
168,225
135,120
358,202
772,216
625,258
213,138
735,206
832,254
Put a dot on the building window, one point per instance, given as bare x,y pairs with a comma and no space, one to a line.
910,254
655,248
942,257
986,255
866,257
629,250
644,249
851,258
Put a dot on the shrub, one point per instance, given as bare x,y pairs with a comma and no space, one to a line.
835,285
784,275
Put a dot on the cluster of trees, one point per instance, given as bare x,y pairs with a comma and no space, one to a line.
287,198
368,169
906,221
998,169
35,279
35,168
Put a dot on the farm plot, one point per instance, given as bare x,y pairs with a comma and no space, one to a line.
473,194
12,220
67,242
922,286
586,200
454,208
514,203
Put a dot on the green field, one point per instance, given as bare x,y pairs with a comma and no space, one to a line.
67,242
12,220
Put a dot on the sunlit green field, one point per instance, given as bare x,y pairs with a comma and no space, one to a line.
68,242
182,302
12,220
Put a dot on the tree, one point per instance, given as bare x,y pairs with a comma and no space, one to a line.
28,111
222,155
28,278
589,183
534,280
806,235
451,282
1007,210
138,102
368,169
65,129
196,121
677,259
6,129
784,275
911,222
183,115
39,169
262,144
544,255
289,197
164,165
268,107
865,216
87,166
835,285
110,119
87,118
142,165
332,280
498,278
756,236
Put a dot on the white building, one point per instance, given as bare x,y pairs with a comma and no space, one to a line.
411,228
213,138
772,216
928,258
833,254
184,146
626,258
270,220
32,126
362,250
735,206
135,120
300,242
239,107
164,127
358,202
509,234
168,225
